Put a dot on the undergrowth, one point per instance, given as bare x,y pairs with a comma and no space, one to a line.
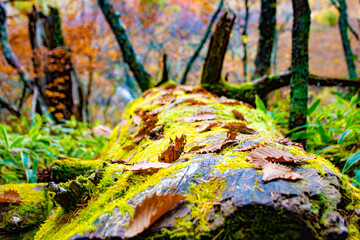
27,146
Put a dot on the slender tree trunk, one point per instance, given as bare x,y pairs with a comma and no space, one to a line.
299,63
343,26
56,78
10,57
244,39
113,17
211,73
266,41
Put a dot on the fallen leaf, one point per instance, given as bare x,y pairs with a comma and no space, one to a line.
238,115
247,145
150,210
157,132
219,145
239,127
288,142
146,166
129,147
174,150
206,126
273,171
164,99
10,196
225,100
195,102
149,124
102,130
121,161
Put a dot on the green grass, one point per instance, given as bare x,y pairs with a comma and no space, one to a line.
27,147
332,129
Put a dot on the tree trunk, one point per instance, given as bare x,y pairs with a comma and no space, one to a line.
226,196
56,78
299,64
343,26
113,17
201,44
211,73
266,39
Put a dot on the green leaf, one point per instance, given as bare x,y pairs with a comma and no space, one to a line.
5,136
354,100
16,142
352,159
313,107
260,104
344,135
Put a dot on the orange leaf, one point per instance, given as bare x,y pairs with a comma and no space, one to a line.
10,196
239,127
174,150
238,115
150,210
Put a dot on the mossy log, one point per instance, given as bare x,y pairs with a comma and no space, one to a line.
226,197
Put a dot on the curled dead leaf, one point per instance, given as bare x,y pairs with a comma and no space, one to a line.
150,210
174,150
273,171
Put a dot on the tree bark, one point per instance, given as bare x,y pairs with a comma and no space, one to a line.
266,40
343,27
10,107
211,73
235,198
56,77
113,17
202,42
244,39
299,64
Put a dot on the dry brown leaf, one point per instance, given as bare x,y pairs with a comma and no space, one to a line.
126,161
174,150
225,100
206,126
102,130
150,210
219,145
157,132
239,128
262,155
149,124
288,142
239,115
273,171
146,166
10,196
164,99
156,111
195,102
129,147
247,145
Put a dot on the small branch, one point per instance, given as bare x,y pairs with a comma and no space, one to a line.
202,42
12,109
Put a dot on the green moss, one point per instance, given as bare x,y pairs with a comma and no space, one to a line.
34,208
70,168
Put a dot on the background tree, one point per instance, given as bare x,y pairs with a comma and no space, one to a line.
299,64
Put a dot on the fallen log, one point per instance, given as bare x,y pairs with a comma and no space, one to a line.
186,164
